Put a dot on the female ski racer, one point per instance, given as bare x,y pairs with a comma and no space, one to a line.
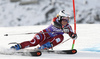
52,35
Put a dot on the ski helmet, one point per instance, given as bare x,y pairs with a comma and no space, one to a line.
62,16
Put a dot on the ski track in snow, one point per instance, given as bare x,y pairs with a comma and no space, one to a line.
87,43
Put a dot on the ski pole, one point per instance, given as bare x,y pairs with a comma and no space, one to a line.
61,43
65,40
31,33
74,23
18,34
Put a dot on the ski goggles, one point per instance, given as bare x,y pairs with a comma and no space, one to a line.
65,19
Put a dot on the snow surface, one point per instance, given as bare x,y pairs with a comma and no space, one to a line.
87,43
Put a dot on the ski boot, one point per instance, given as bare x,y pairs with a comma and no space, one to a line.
16,47
46,46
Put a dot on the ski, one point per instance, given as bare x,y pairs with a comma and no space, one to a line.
74,51
20,52
34,53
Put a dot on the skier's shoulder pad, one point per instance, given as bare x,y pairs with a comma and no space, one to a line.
54,19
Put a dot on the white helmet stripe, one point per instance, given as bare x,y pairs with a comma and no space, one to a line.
62,13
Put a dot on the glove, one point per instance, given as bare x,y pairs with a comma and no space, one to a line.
65,29
73,36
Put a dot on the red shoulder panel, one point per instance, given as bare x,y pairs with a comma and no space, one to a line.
54,19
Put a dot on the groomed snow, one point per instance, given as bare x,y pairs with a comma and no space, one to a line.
87,43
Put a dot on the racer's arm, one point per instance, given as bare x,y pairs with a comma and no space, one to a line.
69,31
